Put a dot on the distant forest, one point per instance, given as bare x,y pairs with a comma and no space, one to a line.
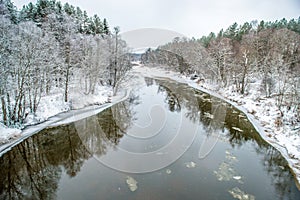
265,53
49,46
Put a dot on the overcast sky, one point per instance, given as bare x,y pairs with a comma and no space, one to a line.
192,18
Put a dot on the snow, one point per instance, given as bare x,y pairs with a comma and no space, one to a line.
261,112
7,134
49,106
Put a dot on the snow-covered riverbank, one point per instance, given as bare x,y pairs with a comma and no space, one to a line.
54,104
56,113
262,113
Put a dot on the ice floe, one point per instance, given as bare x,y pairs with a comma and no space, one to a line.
237,193
132,183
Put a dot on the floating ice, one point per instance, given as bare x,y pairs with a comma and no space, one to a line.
168,171
237,177
230,157
237,193
225,172
190,164
132,183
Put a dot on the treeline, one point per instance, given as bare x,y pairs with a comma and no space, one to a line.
266,53
50,46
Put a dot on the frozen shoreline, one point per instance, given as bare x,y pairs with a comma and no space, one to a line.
265,132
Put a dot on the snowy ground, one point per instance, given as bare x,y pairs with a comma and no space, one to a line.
261,112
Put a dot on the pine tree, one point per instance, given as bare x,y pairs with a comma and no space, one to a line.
220,34
98,26
69,9
261,26
9,10
58,8
243,30
232,31
106,30
28,12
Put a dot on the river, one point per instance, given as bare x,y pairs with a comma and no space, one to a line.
166,141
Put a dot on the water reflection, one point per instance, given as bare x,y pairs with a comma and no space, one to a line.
34,168
171,98
99,133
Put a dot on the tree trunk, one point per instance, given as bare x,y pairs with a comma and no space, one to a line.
243,80
4,111
67,85
9,114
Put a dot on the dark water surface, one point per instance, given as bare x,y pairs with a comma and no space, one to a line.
167,141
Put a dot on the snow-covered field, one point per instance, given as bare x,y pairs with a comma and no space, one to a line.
262,113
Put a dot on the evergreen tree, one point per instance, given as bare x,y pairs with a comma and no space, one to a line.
8,9
232,31
294,26
69,9
42,9
98,26
261,26
28,12
58,8
220,34
243,30
106,30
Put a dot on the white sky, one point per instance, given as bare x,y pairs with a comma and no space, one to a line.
192,18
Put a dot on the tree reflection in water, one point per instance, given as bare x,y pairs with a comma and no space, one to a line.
102,132
32,169
239,129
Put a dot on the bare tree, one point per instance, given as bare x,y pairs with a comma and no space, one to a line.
244,63
119,61
94,60
222,54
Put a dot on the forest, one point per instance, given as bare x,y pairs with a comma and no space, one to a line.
237,58
47,47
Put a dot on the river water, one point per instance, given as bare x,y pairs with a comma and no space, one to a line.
166,141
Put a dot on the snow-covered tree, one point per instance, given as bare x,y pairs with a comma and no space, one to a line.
222,54
93,63
41,49
119,65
